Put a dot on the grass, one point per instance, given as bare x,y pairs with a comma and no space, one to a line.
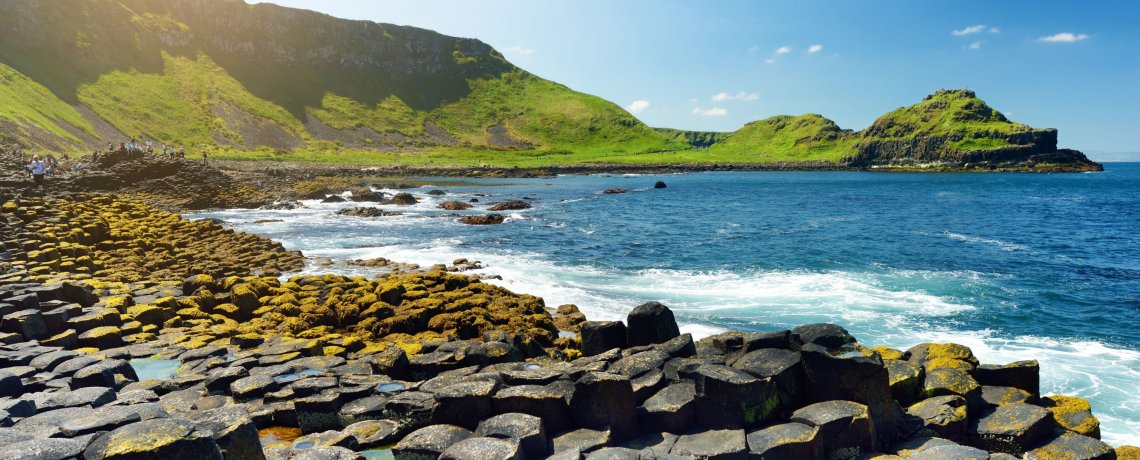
958,116
190,103
29,104
807,137
390,115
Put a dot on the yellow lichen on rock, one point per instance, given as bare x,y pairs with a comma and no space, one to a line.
1073,413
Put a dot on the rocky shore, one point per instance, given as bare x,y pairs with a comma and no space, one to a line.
98,292
131,332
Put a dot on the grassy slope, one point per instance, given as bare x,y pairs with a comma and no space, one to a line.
27,103
178,106
807,137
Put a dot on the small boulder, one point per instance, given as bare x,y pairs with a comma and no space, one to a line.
845,427
486,219
650,323
513,205
601,336
659,184
1024,375
603,400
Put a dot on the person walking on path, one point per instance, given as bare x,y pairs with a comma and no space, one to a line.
39,168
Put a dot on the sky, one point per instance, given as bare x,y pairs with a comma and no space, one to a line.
718,64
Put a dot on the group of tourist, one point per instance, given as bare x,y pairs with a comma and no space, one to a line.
41,166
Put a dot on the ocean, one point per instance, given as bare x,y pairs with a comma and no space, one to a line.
1015,266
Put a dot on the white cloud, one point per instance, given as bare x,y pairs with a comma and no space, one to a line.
713,112
754,49
1063,37
995,30
815,49
769,61
975,46
783,50
740,96
637,106
969,30
519,50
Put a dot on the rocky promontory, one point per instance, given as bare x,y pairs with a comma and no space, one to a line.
130,332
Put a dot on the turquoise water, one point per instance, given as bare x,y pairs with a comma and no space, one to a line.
153,368
1016,266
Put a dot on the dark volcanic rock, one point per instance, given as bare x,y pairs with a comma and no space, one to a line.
844,426
1021,374
157,439
605,400
528,429
786,441
600,336
827,335
513,205
659,184
1012,429
365,212
486,219
428,442
650,323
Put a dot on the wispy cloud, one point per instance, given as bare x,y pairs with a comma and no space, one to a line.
519,50
713,112
637,106
977,29
769,61
815,48
754,49
1063,37
975,46
740,96
783,50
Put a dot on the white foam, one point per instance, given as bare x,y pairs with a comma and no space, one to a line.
710,302
1004,245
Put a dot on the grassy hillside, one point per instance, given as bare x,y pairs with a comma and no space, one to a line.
267,82
262,80
28,110
958,116
807,137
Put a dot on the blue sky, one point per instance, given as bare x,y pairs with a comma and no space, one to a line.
716,65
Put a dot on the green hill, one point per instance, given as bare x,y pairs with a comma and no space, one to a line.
809,137
260,81
268,82
948,129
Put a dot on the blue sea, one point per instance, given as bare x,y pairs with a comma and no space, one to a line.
1016,266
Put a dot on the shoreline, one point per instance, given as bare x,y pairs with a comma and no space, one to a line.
261,353
290,168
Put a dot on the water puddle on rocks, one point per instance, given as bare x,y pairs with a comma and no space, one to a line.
383,453
154,368
390,387
278,436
